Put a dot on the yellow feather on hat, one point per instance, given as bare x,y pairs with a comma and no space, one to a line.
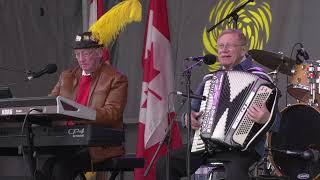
106,29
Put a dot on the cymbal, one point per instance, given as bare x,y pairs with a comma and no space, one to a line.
272,60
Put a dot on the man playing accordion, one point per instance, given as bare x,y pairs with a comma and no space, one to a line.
232,54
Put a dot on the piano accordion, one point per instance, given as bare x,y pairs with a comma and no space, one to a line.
224,121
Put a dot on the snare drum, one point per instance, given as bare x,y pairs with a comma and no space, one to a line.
299,86
299,130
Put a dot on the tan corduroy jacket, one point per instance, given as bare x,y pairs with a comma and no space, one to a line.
108,96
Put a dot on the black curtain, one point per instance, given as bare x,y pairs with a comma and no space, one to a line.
33,34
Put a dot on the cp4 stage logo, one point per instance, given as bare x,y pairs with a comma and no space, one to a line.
76,132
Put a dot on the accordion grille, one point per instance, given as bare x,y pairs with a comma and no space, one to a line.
246,124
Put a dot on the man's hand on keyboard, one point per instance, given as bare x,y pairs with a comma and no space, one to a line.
259,114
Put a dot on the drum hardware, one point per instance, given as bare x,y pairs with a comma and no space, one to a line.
299,138
313,74
304,83
272,60
263,169
309,154
274,76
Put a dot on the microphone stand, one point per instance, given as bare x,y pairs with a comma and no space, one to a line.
167,140
10,69
17,70
234,15
187,75
168,149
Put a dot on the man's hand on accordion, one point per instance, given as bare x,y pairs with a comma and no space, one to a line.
195,124
259,115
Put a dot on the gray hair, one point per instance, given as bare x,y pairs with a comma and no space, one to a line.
242,38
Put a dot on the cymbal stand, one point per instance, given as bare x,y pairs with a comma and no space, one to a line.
312,76
274,75
316,86
262,167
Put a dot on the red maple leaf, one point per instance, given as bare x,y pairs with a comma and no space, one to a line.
148,66
144,105
149,74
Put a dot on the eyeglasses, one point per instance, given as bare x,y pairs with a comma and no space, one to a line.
84,54
228,46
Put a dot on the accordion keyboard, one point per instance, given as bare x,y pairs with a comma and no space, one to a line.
197,144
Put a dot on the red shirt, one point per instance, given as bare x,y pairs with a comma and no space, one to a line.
83,93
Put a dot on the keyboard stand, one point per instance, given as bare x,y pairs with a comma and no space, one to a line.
118,165
31,153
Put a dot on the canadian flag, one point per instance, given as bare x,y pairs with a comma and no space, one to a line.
95,12
156,86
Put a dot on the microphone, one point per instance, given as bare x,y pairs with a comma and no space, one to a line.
193,96
309,154
304,53
207,59
301,52
49,69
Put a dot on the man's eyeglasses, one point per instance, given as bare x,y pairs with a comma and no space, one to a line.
228,46
83,53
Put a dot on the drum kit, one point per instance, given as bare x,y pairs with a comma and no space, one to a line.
293,152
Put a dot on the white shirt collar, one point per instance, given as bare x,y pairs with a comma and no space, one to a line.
243,58
85,74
